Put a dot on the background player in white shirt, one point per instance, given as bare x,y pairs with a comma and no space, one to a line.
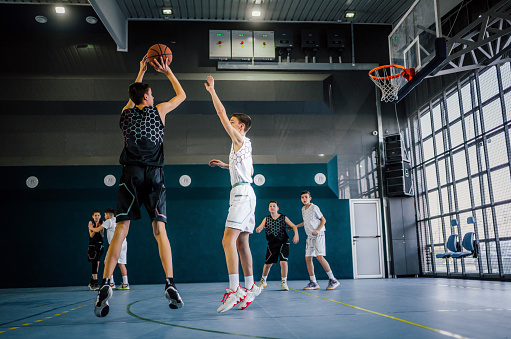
241,219
109,226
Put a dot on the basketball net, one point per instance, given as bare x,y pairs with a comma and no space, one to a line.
389,79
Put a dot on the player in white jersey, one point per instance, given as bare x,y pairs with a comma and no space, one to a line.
109,226
241,218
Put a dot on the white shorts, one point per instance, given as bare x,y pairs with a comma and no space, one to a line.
242,205
123,256
315,246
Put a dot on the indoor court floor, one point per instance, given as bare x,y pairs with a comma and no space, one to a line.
364,308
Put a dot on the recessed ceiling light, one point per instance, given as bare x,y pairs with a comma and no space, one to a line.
349,14
256,13
166,11
91,20
60,10
41,19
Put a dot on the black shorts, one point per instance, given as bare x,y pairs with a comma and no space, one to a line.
276,251
95,252
141,186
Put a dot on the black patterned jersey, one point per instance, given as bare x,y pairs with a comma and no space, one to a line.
276,229
143,137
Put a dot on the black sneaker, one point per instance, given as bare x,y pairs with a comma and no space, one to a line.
175,300
91,285
101,307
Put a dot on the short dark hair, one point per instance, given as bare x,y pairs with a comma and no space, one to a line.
244,119
110,211
96,211
273,201
306,192
137,91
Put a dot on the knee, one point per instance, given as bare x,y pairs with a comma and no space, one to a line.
158,229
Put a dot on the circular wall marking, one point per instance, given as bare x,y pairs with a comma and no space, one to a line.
259,180
185,180
32,182
109,180
320,178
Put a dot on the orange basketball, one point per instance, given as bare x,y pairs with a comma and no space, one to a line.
157,51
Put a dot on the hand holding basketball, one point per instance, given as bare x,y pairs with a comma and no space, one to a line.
159,52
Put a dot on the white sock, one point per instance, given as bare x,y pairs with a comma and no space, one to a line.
249,281
264,277
234,281
284,279
112,279
313,278
330,275
125,279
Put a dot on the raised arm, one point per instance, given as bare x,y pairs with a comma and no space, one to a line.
140,77
296,238
236,137
261,227
165,107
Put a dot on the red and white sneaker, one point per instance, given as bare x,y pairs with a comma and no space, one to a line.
231,299
251,295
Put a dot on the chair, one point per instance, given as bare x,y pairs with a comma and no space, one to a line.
451,244
470,244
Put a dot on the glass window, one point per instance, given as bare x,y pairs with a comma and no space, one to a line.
470,132
437,117
431,176
501,184
476,190
434,203
488,84
480,150
436,230
497,150
426,125
460,165
453,106
463,195
492,115
446,203
428,149
505,74
442,174
503,214
472,159
456,134
507,101
466,96
439,140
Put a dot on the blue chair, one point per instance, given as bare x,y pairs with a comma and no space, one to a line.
470,244
452,245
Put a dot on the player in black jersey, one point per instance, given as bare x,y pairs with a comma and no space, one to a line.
96,248
276,226
142,180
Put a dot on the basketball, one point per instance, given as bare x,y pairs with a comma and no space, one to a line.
157,51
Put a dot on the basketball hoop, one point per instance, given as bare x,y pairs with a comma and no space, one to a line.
389,79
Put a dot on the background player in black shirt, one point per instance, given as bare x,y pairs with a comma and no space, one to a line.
142,179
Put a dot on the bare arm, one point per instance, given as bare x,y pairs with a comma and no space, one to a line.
235,136
166,107
261,227
218,163
300,224
295,229
140,76
95,229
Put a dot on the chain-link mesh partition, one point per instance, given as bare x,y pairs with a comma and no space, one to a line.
461,147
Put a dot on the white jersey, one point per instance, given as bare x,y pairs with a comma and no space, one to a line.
311,219
240,163
109,226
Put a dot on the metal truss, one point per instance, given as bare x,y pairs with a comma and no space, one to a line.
485,42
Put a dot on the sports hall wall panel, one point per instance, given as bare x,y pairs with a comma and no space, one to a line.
45,239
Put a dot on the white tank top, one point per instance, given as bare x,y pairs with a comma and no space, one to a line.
240,163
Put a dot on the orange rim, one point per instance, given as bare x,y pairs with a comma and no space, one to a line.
390,76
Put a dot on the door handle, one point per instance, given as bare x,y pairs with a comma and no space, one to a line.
366,236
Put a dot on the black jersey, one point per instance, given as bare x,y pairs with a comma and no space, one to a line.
276,229
97,238
143,137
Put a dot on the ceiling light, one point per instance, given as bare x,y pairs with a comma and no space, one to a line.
60,10
166,11
349,14
256,13
91,20
41,19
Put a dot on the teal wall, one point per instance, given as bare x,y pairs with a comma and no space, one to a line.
45,228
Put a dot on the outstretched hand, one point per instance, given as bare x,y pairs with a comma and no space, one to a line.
210,86
143,64
218,163
161,66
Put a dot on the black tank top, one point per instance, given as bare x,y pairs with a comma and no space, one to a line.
96,239
276,229
143,137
